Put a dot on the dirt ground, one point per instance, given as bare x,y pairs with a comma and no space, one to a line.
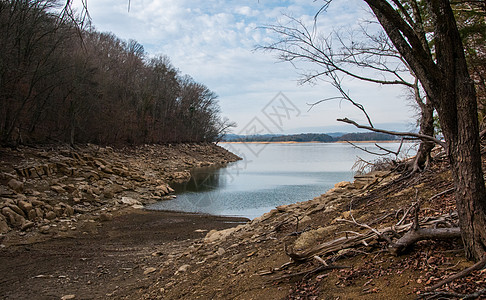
116,259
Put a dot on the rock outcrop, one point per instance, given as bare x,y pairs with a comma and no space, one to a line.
41,187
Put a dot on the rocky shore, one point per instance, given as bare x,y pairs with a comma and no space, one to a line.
50,189
75,231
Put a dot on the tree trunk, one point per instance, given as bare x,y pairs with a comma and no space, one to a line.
423,156
457,109
449,87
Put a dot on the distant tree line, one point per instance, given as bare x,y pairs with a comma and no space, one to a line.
312,137
62,83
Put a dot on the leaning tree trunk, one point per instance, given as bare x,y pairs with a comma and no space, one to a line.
449,87
457,109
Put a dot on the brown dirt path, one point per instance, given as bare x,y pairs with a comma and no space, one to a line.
117,259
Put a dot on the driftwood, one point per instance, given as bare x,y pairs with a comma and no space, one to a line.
413,234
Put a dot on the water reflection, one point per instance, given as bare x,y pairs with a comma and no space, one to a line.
203,179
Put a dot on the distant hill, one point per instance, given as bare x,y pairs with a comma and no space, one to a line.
367,136
311,137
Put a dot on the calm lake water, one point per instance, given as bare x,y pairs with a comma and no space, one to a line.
268,176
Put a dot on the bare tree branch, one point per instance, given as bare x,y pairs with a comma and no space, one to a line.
409,134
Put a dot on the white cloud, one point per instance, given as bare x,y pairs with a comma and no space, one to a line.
213,41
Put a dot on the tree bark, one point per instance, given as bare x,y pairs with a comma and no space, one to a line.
457,108
450,89
423,157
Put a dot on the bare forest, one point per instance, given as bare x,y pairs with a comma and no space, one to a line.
61,81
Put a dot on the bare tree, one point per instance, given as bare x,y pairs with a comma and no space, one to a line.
449,87
366,54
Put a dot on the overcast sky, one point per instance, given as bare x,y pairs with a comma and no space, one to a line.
214,42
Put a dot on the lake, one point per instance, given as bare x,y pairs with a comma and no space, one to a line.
268,176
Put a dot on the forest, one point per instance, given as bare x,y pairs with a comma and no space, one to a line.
64,82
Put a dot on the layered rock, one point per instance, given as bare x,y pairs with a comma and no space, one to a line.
42,186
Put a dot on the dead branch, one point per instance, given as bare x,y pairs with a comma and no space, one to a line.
397,247
413,236
397,133
455,295
344,242
477,266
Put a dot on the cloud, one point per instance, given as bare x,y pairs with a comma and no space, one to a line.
214,42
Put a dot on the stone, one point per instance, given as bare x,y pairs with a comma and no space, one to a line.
51,215
104,217
137,206
36,202
17,209
215,235
31,214
149,270
221,251
130,201
68,297
39,212
12,217
69,210
163,189
70,188
183,269
342,184
16,185
44,229
4,228
58,210
26,225
58,189
25,206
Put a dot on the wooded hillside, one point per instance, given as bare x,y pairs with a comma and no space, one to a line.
62,83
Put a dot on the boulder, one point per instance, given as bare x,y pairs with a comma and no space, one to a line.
25,206
51,215
12,217
16,185
39,213
221,235
4,228
26,225
32,214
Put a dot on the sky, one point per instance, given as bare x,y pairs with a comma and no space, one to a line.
214,41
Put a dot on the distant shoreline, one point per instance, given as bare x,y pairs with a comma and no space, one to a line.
310,142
